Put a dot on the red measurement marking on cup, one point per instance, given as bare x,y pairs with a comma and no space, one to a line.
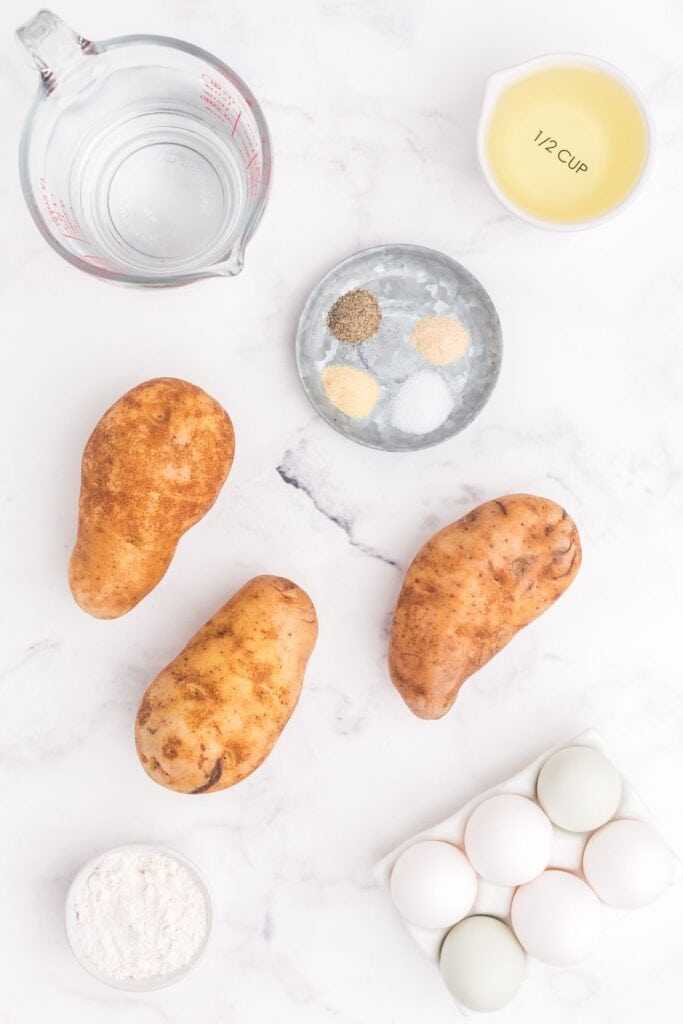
219,102
101,263
65,223
63,218
225,108
254,173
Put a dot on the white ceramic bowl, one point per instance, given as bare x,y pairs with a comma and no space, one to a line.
145,984
496,85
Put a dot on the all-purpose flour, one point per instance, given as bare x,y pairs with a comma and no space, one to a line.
139,914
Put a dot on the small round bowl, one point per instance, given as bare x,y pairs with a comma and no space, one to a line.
409,282
143,984
496,85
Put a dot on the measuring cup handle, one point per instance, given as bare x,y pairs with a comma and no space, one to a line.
52,45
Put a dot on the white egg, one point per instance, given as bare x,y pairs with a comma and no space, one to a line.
557,918
508,839
433,884
579,789
482,963
627,863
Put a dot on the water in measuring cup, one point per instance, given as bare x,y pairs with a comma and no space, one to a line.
158,190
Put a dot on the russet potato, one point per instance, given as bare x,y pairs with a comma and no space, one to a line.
215,712
153,466
473,586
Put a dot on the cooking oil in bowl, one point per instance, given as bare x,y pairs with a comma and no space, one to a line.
564,144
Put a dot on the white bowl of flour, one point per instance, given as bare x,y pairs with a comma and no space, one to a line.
138,917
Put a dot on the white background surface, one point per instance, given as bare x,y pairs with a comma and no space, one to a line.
373,106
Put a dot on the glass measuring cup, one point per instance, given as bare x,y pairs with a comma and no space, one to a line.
143,159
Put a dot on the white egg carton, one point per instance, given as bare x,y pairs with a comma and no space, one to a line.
568,847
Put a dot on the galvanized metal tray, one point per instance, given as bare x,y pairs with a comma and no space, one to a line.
410,282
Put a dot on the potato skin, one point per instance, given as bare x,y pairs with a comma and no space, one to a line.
471,588
214,713
153,466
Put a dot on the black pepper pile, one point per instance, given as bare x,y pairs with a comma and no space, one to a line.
355,316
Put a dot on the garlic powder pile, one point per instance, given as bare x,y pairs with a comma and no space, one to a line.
140,914
354,392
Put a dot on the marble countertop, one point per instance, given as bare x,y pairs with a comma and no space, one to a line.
373,106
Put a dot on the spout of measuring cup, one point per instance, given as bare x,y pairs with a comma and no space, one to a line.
231,265
52,45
